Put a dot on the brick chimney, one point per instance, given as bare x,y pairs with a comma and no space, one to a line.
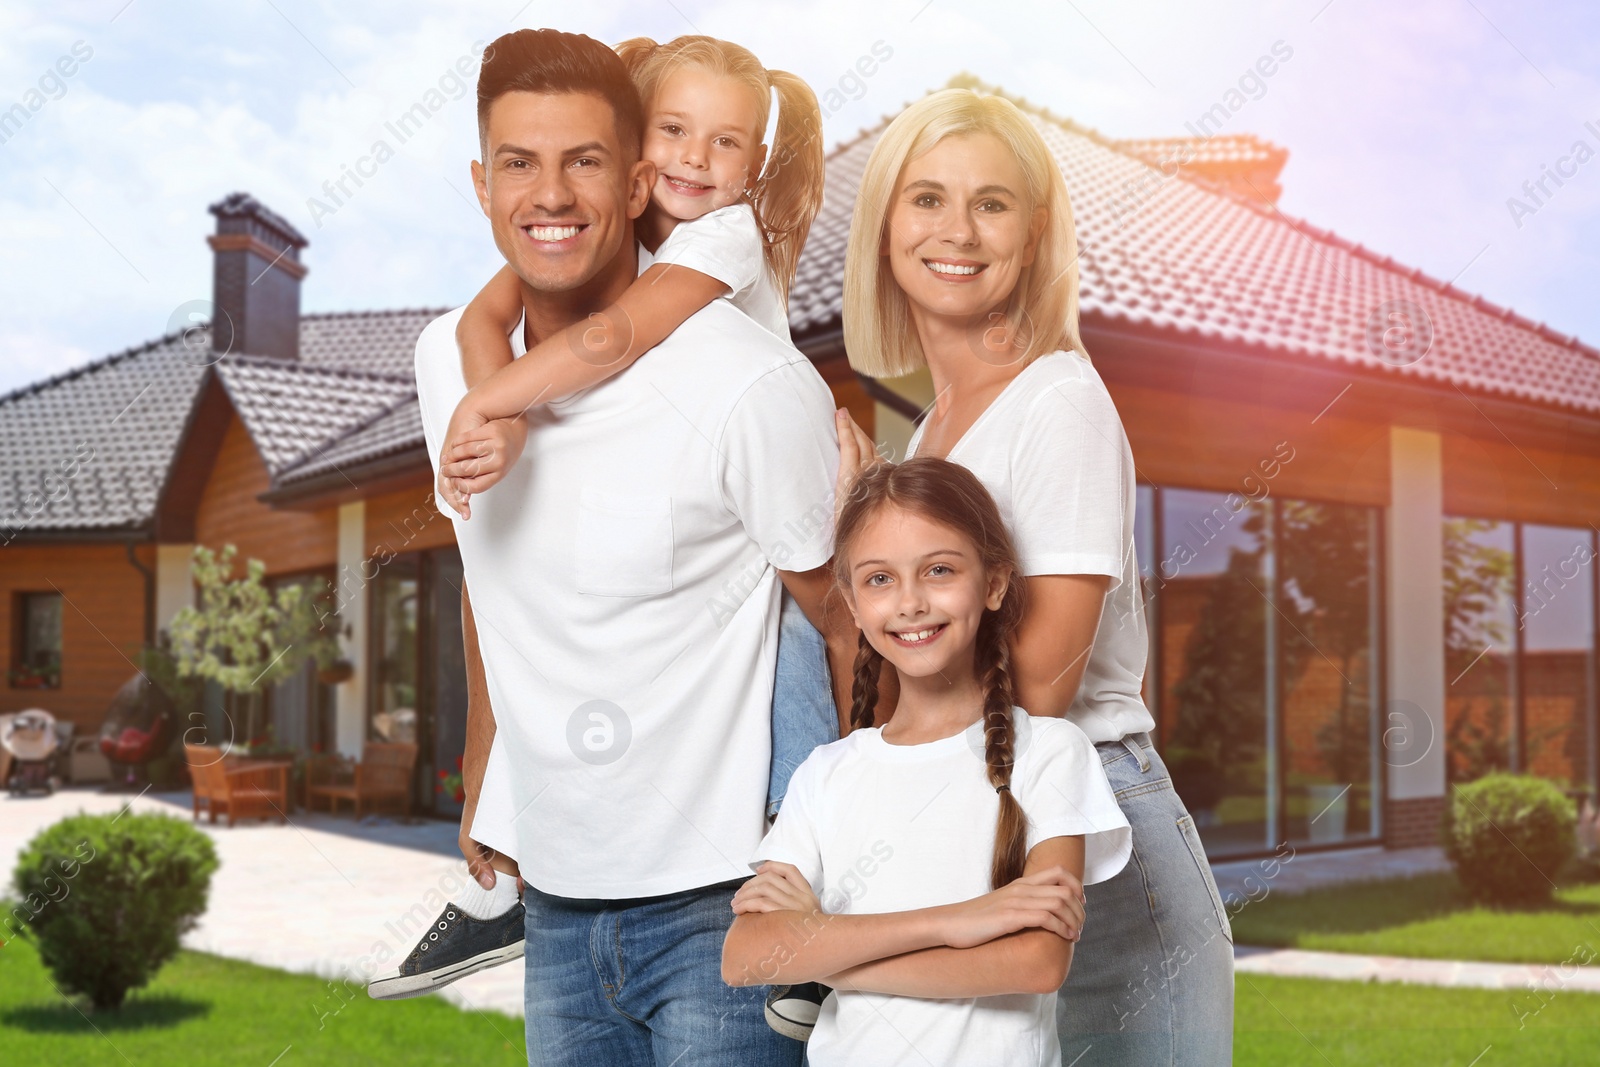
256,280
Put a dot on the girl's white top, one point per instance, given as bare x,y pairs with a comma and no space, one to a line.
1052,452
877,827
726,244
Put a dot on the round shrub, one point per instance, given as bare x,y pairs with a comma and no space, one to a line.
107,897
1508,835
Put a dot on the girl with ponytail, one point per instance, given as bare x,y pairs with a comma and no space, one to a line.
936,859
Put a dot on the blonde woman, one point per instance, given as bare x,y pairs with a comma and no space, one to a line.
963,259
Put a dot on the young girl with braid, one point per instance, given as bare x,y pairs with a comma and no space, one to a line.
925,869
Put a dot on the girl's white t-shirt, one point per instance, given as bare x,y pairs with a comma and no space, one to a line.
726,244
877,827
1052,452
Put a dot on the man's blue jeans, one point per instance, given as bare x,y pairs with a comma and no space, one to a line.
803,713
619,983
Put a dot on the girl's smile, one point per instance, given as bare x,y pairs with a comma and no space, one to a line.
701,136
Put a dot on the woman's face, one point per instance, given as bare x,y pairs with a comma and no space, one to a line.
918,591
960,228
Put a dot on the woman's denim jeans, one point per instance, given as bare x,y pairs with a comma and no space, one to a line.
1152,979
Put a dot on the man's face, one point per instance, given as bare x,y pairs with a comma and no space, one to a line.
558,187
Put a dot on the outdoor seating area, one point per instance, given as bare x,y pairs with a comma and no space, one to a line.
239,787
381,781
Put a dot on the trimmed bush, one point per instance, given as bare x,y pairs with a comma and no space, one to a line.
107,896
1508,835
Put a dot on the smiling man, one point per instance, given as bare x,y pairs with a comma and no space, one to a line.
625,591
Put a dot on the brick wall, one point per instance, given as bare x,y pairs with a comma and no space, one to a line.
1412,823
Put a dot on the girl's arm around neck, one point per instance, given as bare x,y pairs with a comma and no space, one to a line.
484,330
592,349
1028,961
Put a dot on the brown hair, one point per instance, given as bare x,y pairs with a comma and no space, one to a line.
788,194
949,494
550,61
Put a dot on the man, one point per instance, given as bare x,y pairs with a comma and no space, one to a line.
625,596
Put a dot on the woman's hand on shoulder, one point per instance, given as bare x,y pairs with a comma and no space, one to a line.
776,887
857,453
1049,899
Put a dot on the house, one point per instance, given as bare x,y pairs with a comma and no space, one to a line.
1364,516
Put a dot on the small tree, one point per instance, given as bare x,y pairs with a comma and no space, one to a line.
108,896
246,637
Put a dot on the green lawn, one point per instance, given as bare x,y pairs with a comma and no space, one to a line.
203,1010
1279,1021
1428,917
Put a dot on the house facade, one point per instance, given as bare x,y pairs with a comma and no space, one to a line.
1365,522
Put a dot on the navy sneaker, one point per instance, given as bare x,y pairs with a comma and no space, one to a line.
792,1010
457,945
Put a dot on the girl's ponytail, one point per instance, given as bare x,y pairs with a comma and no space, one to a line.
788,195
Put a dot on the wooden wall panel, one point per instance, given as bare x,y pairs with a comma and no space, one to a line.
102,623
1492,477
406,521
286,541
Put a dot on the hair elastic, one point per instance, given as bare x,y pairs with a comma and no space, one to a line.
1002,789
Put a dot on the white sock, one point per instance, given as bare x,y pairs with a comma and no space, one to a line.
481,903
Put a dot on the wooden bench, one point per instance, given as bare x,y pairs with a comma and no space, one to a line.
381,780
241,787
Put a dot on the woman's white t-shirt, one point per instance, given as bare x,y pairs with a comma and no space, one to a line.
726,244
877,827
1052,452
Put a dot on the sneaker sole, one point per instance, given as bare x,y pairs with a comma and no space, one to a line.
791,1028
401,987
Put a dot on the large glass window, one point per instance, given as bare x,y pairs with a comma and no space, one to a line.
1557,622
1215,632
394,710
1327,608
1480,661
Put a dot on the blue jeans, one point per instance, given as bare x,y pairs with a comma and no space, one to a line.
1152,979
619,983
803,713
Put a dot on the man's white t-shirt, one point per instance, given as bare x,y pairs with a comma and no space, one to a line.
623,578
877,827
726,244
1052,452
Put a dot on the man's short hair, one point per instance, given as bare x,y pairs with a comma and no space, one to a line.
550,61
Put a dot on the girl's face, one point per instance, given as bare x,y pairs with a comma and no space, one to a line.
960,230
701,135
918,591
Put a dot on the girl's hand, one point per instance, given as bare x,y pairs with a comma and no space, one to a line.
476,455
857,453
1048,900
776,887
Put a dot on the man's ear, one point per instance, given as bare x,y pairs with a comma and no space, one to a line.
480,185
641,179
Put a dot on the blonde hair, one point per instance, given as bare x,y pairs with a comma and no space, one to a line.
1042,311
788,194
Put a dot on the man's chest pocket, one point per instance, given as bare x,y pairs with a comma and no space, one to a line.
624,544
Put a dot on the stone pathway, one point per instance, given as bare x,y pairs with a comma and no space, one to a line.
328,896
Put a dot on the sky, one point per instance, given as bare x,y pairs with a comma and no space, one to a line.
1420,129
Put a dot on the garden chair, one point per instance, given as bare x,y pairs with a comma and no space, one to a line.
381,779
242,788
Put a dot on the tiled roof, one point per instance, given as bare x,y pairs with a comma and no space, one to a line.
1185,259
395,430
90,448
127,412
295,411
